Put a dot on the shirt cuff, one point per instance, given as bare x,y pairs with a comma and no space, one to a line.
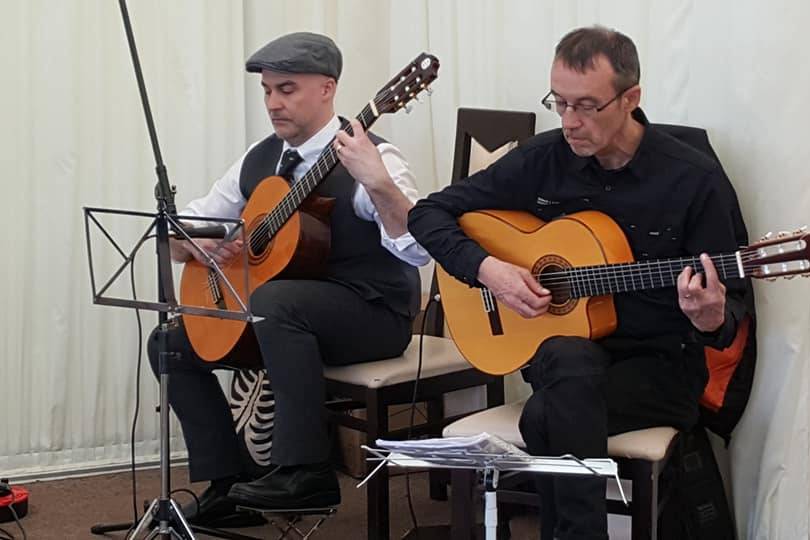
406,246
722,337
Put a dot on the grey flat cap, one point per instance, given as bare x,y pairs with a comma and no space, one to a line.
300,52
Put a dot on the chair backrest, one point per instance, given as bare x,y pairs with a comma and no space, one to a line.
482,136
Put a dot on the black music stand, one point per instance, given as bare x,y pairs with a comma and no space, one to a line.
164,516
163,511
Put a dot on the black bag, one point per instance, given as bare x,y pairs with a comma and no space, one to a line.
697,508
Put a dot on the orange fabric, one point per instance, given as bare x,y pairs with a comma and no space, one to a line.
721,366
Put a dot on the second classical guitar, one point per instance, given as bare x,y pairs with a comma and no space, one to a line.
582,259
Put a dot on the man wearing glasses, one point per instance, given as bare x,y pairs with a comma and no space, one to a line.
669,199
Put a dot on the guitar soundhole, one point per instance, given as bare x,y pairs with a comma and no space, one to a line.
260,243
552,274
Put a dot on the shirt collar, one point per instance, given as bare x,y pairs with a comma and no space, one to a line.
312,147
637,164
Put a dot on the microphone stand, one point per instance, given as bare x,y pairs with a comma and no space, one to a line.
163,512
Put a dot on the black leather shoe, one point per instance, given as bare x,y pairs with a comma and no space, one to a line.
290,488
216,510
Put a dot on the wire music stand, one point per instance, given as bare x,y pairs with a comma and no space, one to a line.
164,512
491,456
169,304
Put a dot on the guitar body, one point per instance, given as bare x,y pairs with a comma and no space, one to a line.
498,340
298,250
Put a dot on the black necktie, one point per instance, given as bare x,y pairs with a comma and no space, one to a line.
289,160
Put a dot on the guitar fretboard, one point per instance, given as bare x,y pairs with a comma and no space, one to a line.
599,280
275,220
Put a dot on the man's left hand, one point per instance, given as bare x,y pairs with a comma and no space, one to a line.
360,157
704,306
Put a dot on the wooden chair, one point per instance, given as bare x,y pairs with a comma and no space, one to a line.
481,137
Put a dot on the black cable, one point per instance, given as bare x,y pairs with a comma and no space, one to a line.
194,496
135,516
8,535
137,397
432,300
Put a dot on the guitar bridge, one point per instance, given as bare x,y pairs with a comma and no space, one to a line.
491,309
215,291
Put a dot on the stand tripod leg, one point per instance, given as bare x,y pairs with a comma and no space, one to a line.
146,519
164,510
491,503
164,514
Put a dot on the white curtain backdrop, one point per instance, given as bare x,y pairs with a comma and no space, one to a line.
73,135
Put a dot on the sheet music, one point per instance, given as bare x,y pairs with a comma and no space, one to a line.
485,450
480,444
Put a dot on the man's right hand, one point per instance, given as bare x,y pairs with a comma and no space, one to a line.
182,250
515,287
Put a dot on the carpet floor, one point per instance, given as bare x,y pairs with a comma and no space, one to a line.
66,509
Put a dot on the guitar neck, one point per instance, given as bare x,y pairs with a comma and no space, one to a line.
327,161
600,280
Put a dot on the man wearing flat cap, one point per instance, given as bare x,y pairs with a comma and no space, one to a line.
361,310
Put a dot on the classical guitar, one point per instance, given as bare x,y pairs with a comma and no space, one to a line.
582,259
287,228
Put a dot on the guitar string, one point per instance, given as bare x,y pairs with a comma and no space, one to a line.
727,261
276,218
634,272
645,269
591,280
609,283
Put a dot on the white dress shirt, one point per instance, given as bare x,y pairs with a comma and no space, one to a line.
225,199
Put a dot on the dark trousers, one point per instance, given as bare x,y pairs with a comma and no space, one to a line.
584,392
306,324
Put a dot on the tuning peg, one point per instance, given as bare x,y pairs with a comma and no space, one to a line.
767,236
805,275
408,108
782,234
770,279
429,91
801,229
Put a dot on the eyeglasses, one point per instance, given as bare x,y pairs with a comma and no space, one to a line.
586,110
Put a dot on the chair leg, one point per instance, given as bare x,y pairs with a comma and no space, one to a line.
377,488
462,509
645,500
655,475
438,478
495,393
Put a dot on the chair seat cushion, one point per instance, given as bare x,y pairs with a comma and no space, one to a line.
649,444
439,357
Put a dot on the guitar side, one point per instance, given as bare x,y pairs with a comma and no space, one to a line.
497,340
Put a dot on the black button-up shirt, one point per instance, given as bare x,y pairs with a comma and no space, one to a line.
671,200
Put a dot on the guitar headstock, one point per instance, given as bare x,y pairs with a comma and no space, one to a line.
783,254
407,84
